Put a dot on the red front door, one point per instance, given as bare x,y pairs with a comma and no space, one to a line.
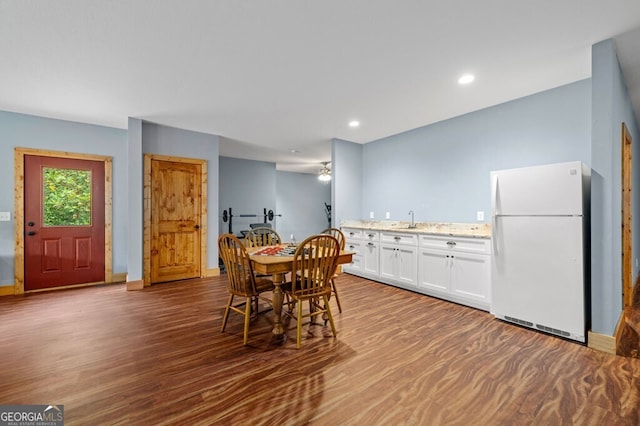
64,222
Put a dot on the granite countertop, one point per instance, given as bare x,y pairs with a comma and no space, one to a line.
474,230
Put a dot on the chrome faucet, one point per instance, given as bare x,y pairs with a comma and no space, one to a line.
412,224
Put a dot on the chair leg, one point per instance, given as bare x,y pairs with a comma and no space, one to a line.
256,301
291,304
299,325
226,313
247,317
335,291
312,308
333,327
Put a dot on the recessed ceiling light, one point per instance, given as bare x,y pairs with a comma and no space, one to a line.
354,123
294,151
466,79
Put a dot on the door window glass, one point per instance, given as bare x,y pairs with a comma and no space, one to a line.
66,197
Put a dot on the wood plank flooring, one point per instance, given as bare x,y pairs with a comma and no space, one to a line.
157,357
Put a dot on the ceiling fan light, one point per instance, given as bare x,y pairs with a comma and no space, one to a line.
325,173
324,177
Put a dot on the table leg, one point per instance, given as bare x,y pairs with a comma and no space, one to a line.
278,329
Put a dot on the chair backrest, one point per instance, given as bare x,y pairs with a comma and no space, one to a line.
338,234
237,264
261,237
314,263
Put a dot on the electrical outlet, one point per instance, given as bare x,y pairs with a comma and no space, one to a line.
371,215
387,215
5,216
480,215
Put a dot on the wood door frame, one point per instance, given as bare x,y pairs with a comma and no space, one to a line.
18,205
627,208
147,211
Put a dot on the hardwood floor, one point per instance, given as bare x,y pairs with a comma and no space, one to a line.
157,357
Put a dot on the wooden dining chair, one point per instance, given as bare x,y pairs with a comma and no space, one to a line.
342,241
261,237
241,281
314,263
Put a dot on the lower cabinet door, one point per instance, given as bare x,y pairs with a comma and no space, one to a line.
435,271
370,257
407,265
387,261
470,276
399,264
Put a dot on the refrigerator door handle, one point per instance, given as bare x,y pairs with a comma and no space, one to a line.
494,213
494,234
495,197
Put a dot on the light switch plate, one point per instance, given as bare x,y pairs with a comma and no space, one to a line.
480,215
371,215
5,216
387,215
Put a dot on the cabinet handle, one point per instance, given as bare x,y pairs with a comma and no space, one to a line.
370,244
352,247
397,238
371,235
451,243
352,234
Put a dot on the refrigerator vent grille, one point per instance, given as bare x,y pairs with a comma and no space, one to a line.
553,330
519,321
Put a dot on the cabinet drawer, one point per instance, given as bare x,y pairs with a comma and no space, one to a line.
399,238
354,246
352,233
368,235
467,245
354,266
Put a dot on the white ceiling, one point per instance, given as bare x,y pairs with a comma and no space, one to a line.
272,76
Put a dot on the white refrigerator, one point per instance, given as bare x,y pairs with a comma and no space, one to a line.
540,263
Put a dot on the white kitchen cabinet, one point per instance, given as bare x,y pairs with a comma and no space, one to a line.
365,245
435,273
371,253
457,269
399,264
451,268
356,264
353,242
399,258
470,277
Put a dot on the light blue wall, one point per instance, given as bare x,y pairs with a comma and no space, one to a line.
247,187
346,191
441,171
135,187
26,131
611,107
300,199
163,140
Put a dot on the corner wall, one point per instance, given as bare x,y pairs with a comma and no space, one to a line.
346,181
610,107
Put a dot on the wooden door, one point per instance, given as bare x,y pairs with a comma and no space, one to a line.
176,205
64,222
